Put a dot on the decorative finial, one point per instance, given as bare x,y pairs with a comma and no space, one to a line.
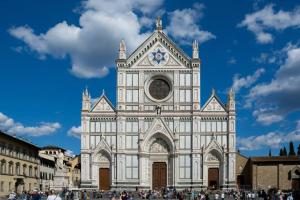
103,92
231,93
213,92
122,50
86,92
195,49
158,23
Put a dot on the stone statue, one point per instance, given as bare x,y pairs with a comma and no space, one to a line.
60,160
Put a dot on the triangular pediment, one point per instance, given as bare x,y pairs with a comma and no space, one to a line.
102,146
169,55
214,148
213,105
103,105
157,128
167,60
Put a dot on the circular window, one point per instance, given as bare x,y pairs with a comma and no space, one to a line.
159,88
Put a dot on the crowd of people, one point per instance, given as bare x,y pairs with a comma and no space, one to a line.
165,193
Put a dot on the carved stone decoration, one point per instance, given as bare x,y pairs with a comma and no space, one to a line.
145,62
212,158
103,158
158,57
172,62
213,105
158,127
159,146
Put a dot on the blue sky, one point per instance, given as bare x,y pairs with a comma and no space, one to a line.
52,50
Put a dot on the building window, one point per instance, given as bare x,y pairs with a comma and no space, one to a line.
103,127
18,168
184,126
10,168
131,141
132,127
184,96
10,186
185,142
132,96
2,148
3,167
18,153
2,186
24,170
213,126
132,80
184,166
10,151
185,80
132,171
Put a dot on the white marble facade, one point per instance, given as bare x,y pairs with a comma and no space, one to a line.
158,117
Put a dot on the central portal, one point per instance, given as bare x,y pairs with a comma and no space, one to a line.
213,178
159,175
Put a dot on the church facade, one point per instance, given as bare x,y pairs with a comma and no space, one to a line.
158,134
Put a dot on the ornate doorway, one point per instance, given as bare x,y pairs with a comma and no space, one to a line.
159,175
213,178
104,180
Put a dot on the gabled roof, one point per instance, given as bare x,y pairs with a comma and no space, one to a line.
155,37
213,104
103,104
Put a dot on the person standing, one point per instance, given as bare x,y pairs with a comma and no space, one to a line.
222,196
53,196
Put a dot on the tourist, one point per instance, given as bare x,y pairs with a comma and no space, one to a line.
290,197
53,196
216,195
222,196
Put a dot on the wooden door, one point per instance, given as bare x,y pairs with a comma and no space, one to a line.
159,175
104,181
213,178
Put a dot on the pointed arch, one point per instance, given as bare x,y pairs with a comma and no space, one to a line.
102,148
215,149
158,129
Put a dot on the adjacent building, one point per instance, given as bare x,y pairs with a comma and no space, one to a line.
47,170
19,165
158,134
282,172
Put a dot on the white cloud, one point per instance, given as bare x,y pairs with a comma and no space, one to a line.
8,125
245,82
263,21
93,45
279,97
75,131
183,25
269,140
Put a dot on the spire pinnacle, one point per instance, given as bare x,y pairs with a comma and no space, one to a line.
213,92
195,49
122,50
158,23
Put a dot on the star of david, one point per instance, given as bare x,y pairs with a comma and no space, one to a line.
158,56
